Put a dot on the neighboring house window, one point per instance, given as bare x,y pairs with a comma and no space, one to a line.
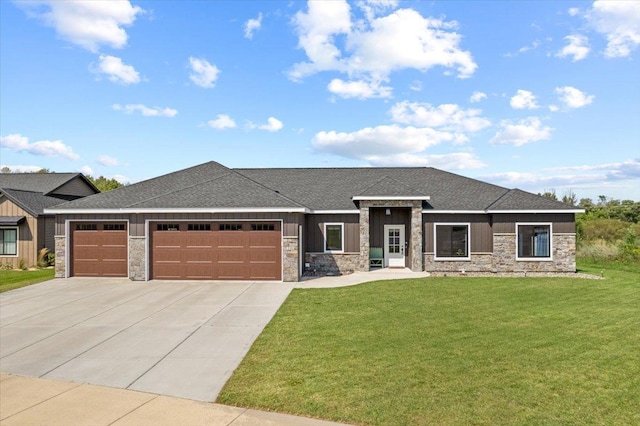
9,242
534,241
451,241
334,237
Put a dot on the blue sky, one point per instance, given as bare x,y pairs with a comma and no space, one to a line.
534,95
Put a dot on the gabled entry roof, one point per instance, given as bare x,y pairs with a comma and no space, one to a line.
213,187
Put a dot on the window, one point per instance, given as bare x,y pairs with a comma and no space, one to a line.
199,227
333,237
231,227
168,227
263,227
114,227
86,227
9,242
452,241
534,241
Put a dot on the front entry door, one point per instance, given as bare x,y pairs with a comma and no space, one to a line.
394,246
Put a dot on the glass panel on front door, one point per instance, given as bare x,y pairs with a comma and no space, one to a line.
394,240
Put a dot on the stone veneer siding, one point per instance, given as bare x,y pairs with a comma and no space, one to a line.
137,259
334,263
415,231
503,258
290,259
61,256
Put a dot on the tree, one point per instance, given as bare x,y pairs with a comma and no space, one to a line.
570,198
550,194
104,184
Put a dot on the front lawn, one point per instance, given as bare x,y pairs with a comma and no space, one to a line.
452,351
12,279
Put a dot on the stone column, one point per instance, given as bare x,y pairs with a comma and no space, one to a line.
137,258
416,237
364,237
61,258
290,259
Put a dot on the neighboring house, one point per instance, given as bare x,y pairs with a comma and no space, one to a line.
212,222
24,228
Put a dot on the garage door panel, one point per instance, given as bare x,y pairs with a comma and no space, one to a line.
99,252
214,251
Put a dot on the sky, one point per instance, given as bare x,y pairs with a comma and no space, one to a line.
541,96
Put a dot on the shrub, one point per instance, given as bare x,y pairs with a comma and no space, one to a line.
598,250
609,230
22,265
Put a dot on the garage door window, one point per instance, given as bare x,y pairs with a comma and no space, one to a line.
231,227
114,226
263,227
168,227
86,227
199,227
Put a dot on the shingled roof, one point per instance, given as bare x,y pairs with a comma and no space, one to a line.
35,192
214,186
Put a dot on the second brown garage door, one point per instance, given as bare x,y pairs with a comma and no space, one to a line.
216,251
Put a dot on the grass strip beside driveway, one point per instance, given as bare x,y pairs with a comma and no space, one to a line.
12,279
452,351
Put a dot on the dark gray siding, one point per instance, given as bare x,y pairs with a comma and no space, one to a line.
137,221
314,228
562,222
481,236
76,187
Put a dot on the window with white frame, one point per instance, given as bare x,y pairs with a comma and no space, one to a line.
534,241
334,237
9,242
451,241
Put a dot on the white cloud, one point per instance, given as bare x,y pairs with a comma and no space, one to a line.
619,22
416,86
17,142
523,99
573,11
222,121
578,47
203,73
477,96
534,45
375,142
375,47
108,161
145,110
252,25
586,176
371,8
359,89
522,132
572,97
122,179
22,169
273,125
447,116
86,170
554,108
89,24
116,70
454,161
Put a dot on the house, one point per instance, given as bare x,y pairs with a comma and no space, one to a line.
213,222
24,227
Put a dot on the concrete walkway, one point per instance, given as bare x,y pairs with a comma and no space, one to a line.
360,277
31,401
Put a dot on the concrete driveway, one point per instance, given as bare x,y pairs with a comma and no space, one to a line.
179,339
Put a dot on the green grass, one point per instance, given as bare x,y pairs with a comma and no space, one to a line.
453,351
12,279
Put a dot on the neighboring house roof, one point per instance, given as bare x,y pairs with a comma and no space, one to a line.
35,192
214,187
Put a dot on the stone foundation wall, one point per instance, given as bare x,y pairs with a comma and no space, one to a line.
61,256
480,262
333,263
137,259
290,259
503,258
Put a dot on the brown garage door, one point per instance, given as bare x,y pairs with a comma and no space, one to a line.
216,251
99,249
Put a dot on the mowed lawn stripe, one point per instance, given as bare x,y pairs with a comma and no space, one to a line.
450,351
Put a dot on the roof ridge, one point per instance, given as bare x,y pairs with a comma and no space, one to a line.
507,191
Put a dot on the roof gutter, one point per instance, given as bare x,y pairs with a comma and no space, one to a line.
179,210
386,198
